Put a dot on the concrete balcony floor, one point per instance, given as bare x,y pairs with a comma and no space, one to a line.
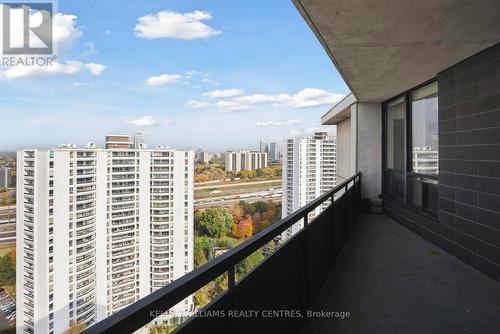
393,281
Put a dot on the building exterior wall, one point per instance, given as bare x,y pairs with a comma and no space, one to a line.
309,170
244,160
469,165
468,223
94,233
344,150
6,177
274,154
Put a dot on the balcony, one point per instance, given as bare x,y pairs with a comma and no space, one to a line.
388,278
294,273
393,281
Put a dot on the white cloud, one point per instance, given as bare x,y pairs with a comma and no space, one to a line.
312,97
79,84
295,133
95,69
190,74
148,121
256,99
306,98
210,81
197,104
162,79
144,121
65,31
294,121
268,124
230,106
91,49
67,68
224,93
168,24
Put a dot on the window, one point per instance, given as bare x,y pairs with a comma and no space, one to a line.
411,151
395,125
424,130
422,182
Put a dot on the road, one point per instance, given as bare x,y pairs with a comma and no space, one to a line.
7,214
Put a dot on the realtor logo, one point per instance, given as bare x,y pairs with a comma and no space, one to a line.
27,28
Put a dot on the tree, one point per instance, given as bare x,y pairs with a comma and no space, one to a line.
249,263
7,271
261,224
259,172
216,222
247,208
204,295
12,255
244,228
199,257
197,218
272,212
237,212
260,206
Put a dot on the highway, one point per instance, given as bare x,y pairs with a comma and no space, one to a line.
7,214
7,233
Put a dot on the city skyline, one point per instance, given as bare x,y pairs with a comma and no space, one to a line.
136,74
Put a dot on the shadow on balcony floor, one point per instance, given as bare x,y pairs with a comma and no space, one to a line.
393,281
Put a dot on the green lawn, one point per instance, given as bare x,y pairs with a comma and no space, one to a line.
205,193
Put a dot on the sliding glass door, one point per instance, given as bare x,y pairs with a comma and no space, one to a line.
395,125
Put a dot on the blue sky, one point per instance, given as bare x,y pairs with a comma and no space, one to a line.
214,75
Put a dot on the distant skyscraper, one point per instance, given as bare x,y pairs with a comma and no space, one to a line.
263,147
274,154
248,160
98,229
205,157
309,170
5,177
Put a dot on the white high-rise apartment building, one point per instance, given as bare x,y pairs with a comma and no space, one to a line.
309,170
244,160
99,229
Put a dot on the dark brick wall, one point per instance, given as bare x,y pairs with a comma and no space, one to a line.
469,166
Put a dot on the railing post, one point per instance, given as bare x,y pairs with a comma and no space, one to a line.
333,254
306,286
231,278
231,283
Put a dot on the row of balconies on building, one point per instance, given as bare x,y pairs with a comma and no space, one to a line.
85,189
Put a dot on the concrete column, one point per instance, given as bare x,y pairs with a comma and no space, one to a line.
369,148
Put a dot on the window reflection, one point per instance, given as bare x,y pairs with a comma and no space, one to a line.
424,115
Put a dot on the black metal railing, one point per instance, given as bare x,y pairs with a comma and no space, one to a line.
281,288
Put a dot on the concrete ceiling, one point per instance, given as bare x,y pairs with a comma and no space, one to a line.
384,47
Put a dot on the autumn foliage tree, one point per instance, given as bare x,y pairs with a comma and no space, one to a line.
237,212
244,228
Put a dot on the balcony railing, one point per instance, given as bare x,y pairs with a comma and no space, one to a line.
289,279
